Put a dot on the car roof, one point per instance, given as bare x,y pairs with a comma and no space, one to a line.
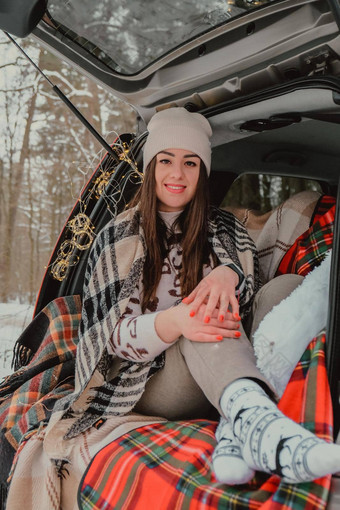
127,37
197,54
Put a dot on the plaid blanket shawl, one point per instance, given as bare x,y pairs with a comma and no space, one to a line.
114,270
167,466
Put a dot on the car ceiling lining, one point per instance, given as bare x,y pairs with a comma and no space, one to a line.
227,125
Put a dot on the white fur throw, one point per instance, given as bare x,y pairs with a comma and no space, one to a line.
285,332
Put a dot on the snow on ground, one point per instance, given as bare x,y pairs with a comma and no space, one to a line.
14,317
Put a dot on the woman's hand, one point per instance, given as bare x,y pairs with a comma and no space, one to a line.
172,323
216,290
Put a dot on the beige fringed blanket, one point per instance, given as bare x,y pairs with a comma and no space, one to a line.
275,231
49,468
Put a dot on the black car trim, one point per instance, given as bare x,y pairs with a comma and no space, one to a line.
333,322
20,17
335,8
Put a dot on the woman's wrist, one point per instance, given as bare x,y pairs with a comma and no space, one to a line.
239,278
167,324
233,273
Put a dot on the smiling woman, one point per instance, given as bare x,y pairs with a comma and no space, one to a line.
166,311
176,176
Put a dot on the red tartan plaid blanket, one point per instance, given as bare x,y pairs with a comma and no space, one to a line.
28,395
310,248
167,466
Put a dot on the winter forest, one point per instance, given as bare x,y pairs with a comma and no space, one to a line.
46,157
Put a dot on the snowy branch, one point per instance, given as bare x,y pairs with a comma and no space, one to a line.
8,65
80,145
19,89
69,85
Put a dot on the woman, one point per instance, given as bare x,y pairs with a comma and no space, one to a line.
165,285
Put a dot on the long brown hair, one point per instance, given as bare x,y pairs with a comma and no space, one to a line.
192,222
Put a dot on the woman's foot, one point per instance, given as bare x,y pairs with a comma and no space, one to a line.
270,441
228,463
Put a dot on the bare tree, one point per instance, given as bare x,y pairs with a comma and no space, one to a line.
46,157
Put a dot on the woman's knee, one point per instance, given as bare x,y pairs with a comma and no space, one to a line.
271,294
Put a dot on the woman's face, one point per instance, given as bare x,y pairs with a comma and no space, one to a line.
176,174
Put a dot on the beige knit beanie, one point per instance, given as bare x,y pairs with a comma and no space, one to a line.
176,128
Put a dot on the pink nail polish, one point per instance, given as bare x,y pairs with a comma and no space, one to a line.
237,334
207,319
192,313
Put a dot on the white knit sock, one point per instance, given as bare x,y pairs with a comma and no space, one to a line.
228,463
270,441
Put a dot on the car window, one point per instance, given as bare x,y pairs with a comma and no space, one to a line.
128,36
262,192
